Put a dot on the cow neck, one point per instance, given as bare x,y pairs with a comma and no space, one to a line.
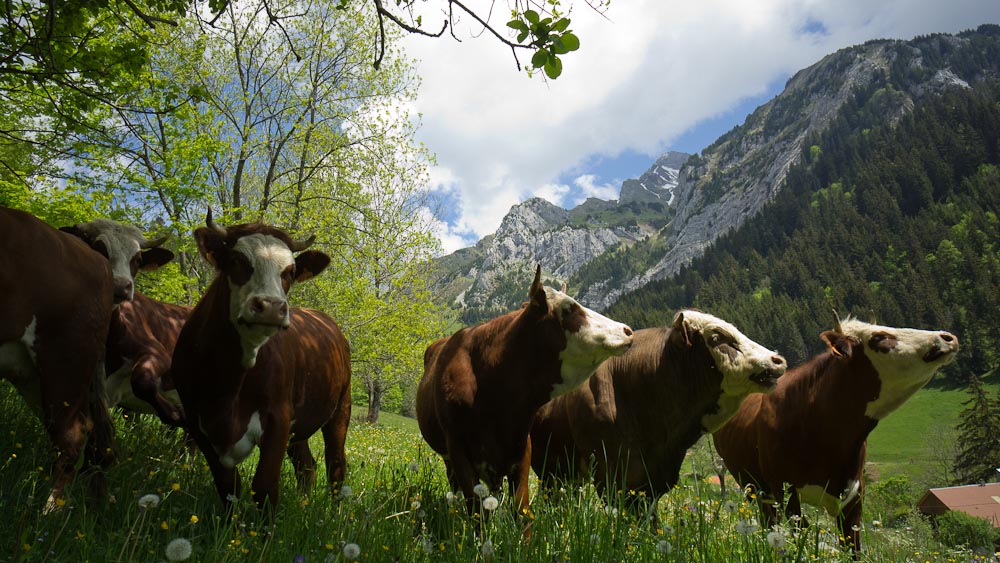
836,390
688,389
218,343
517,365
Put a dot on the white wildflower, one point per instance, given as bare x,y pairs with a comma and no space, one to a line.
776,539
481,490
491,503
487,550
415,505
149,501
450,497
663,546
178,549
746,527
352,551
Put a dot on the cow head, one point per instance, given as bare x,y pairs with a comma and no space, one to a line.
125,247
904,359
744,365
589,338
259,265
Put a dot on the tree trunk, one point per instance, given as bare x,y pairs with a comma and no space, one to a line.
374,403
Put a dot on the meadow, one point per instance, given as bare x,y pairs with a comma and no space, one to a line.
395,507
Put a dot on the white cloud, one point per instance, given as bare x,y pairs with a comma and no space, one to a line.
654,71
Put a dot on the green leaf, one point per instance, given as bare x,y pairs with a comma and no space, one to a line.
522,36
553,67
517,25
570,41
531,16
561,24
557,46
540,58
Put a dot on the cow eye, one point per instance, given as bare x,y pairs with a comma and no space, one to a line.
135,262
240,269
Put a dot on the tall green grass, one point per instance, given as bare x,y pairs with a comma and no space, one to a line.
398,509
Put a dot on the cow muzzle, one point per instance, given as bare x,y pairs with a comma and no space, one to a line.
945,347
123,290
768,377
262,310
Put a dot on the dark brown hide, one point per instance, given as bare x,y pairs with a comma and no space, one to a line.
633,421
300,383
142,337
811,430
479,393
54,280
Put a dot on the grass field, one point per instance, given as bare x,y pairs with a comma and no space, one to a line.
397,510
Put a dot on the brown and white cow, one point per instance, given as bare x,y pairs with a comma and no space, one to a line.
482,385
811,431
126,249
252,371
55,306
631,424
143,330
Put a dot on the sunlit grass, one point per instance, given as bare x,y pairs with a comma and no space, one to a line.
395,508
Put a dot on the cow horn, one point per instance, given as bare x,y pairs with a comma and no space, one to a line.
871,317
210,223
836,323
153,243
300,245
564,288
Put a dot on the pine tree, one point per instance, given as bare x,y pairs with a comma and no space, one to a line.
979,436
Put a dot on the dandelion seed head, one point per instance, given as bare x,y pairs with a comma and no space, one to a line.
663,546
149,501
730,506
414,467
487,549
776,539
481,490
178,549
346,492
352,551
491,503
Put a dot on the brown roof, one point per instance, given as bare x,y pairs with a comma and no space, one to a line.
978,500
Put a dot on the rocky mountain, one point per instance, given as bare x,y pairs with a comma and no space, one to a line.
675,210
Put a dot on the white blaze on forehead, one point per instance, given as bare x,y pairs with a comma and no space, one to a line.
748,358
902,370
268,257
594,339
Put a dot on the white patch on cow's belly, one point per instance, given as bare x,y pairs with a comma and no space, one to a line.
18,360
242,448
118,387
817,496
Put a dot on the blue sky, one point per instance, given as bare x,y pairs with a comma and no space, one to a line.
649,77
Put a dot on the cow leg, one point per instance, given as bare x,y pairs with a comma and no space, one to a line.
227,479
304,464
146,376
462,474
849,523
769,504
518,481
334,437
793,510
266,481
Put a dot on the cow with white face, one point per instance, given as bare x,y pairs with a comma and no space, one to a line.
252,371
811,432
482,385
632,423
126,248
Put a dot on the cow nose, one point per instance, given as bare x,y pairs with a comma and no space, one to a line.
778,361
628,331
950,339
123,290
268,310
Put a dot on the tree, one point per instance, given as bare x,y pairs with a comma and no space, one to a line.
979,450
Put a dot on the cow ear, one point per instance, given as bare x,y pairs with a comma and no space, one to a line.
536,295
679,330
211,244
309,264
839,343
75,231
153,258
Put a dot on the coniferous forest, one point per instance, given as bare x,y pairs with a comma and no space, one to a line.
898,220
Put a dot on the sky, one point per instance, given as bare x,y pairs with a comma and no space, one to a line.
650,76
